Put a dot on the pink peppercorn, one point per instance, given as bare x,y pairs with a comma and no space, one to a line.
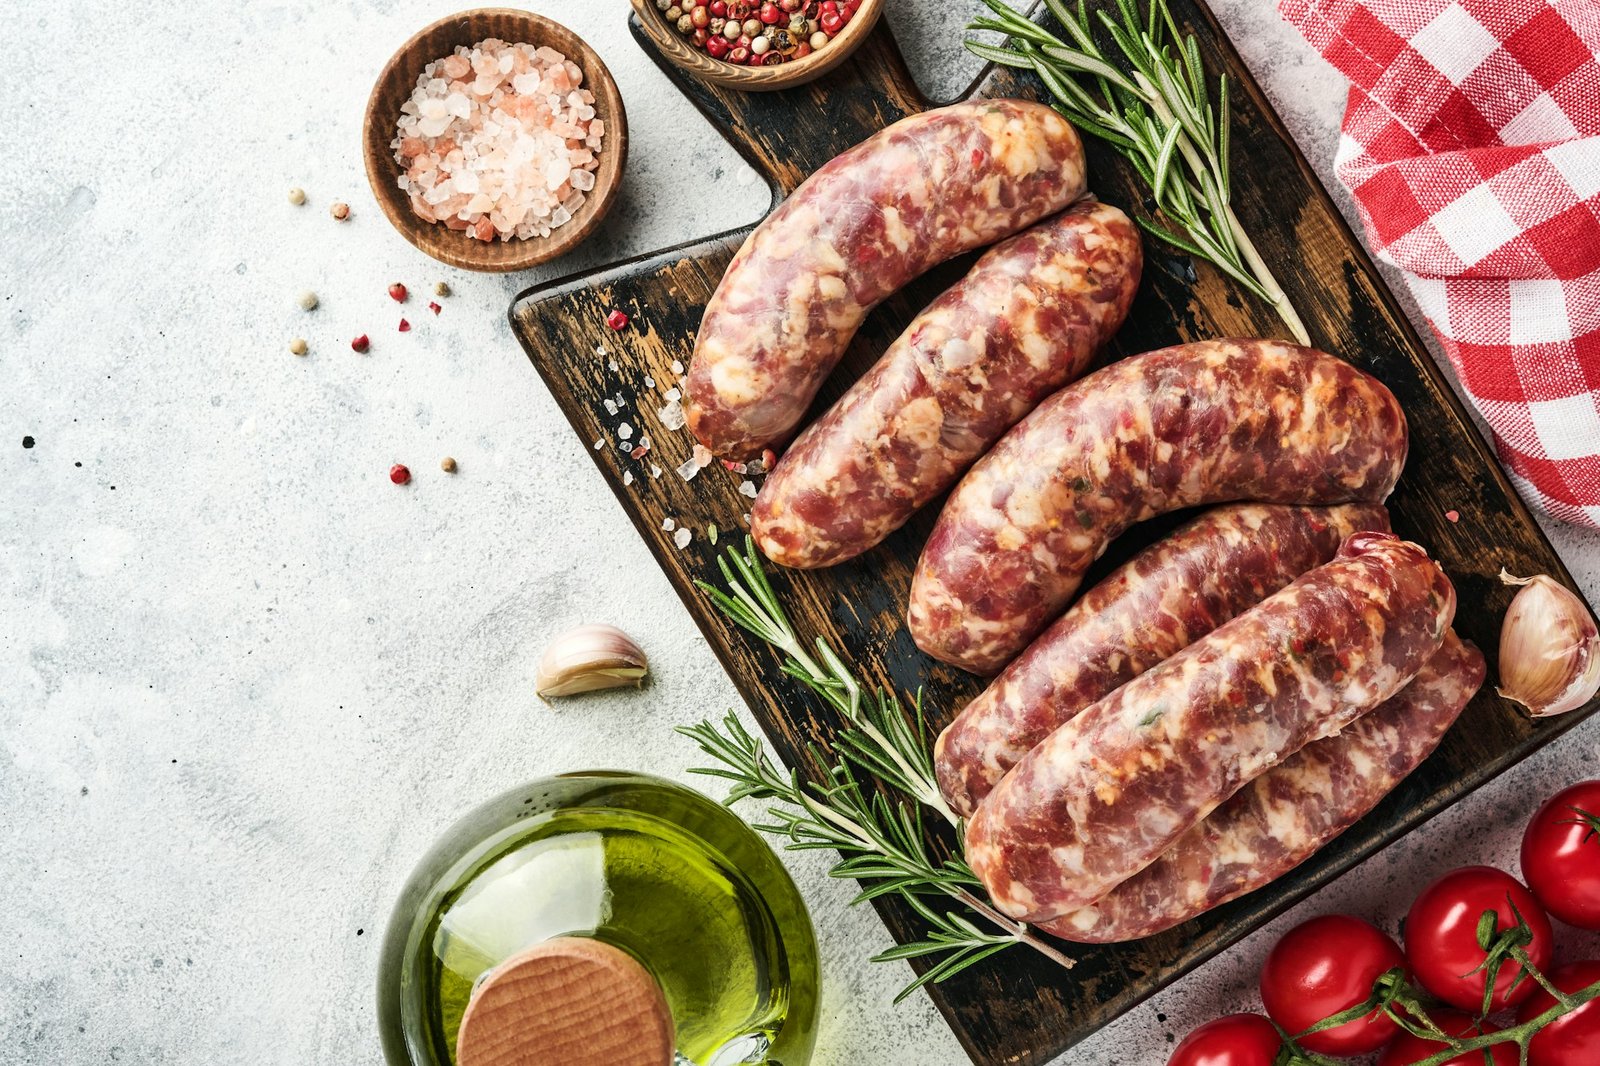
399,474
831,24
738,54
719,9
617,319
771,13
405,327
434,307
361,343
397,293
717,47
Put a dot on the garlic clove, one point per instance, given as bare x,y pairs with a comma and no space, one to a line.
1549,648
589,658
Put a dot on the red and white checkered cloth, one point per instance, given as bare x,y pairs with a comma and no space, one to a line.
1471,143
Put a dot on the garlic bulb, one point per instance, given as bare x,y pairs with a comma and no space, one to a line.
1549,648
589,658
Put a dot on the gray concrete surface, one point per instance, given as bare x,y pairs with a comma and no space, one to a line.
244,680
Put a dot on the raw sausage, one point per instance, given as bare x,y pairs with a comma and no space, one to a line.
1195,424
1282,817
1153,606
907,198
1108,791
1024,322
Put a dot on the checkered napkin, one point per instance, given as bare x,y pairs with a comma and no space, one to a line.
1471,143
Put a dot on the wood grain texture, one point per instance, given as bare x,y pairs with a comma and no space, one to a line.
672,45
570,1001
1019,1008
395,85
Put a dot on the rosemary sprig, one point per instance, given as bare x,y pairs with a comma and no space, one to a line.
1158,115
881,840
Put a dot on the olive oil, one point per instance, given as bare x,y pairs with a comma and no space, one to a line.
643,864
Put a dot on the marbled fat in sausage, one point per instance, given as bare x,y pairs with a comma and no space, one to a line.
1284,816
1153,606
1195,424
1097,800
916,193
1024,322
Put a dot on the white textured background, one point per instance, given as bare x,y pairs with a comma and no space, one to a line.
244,680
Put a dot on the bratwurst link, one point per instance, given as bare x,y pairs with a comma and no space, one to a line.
1026,320
1284,816
1111,789
907,198
1150,608
1195,424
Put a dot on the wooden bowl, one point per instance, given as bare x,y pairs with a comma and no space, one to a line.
395,85
677,48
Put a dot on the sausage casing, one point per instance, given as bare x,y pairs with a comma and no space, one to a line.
1026,320
1199,423
1098,799
904,200
1284,816
1153,606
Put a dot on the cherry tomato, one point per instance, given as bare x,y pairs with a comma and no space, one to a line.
1235,1040
1408,1049
1561,856
1322,967
1573,1039
1441,934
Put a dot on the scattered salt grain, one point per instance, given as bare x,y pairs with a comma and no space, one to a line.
702,455
599,443
613,366
655,471
498,141
627,477
682,538
688,469
747,488
677,366
668,524
611,405
649,382
671,415
624,431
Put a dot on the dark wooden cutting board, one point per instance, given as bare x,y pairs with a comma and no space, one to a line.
1019,1008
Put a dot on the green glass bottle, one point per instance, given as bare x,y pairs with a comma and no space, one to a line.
667,875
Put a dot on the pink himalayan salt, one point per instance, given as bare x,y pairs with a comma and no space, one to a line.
499,141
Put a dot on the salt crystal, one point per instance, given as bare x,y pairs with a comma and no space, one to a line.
613,366
627,477
747,488
655,471
611,406
674,394
688,469
682,538
624,431
672,415
649,382
702,455
599,443
677,366
582,180
668,524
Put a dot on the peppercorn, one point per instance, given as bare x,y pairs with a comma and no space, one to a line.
801,50
308,301
361,343
617,319
297,346
297,196
782,41
340,211
797,26
771,13
686,24
399,474
699,37
397,293
662,5
818,39
738,54
674,13
832,24
700,17
719,8
448,465
441,289
717,47
715,26
759,46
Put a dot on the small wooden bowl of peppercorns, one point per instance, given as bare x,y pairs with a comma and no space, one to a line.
758,45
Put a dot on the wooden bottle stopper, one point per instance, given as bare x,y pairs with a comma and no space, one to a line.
570,1001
